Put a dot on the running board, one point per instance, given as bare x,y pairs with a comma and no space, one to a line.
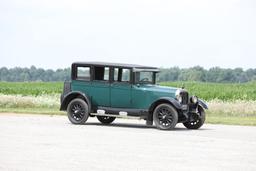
116,116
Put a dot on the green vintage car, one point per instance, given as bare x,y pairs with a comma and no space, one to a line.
113,90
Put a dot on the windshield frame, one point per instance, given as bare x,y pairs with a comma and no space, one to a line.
145,82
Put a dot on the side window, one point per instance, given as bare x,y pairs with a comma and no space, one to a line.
101,73
116,74
122,75
106,73
83,73
126,75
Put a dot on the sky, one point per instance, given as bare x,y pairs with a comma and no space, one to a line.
164,33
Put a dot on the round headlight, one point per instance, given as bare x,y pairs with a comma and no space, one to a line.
194,99
177,93
178,96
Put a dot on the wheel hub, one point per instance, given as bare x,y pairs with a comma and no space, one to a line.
165,117
77,111
194,117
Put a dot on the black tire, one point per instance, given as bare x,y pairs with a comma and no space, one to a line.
77,111
106,119
165,116
199,122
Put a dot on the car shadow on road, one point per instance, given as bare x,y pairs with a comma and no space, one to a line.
124,125
137,126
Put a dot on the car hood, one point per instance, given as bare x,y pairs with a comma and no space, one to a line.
159,89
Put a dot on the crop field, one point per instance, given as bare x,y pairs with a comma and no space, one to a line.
220,91
30,88
206,91
228,103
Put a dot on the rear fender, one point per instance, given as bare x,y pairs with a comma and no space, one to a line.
72,95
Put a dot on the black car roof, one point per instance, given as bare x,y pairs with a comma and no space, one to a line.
134,66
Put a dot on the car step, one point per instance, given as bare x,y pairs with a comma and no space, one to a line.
116,116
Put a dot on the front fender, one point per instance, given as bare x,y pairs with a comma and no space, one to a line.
202,104
169,100
72,95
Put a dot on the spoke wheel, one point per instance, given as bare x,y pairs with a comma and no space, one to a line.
198,122
106,119
78,111
165,116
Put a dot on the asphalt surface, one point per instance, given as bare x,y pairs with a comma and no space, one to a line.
43,142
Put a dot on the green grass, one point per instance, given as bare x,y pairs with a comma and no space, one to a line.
221,91
30,88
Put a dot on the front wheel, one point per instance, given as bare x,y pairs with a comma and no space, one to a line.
198,121
77,111
106,119
165,116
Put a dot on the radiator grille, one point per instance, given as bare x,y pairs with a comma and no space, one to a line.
185,98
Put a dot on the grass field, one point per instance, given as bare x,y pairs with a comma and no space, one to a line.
228,103
221,91
30,88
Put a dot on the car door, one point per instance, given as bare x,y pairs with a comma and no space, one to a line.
100,86
120,90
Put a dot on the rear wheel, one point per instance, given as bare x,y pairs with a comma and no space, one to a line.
198,120
106,119
77,111
165,116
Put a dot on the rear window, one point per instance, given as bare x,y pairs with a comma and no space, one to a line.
83,73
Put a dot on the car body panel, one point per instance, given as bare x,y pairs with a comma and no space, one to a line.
120,95
144,95
100,93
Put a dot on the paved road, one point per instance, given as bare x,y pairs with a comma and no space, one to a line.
41,142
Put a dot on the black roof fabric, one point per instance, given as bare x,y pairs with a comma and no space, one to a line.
115,65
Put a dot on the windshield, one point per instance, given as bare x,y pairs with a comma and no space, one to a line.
145,77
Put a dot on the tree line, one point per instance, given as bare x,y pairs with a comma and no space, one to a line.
197,73
18,74
215,74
